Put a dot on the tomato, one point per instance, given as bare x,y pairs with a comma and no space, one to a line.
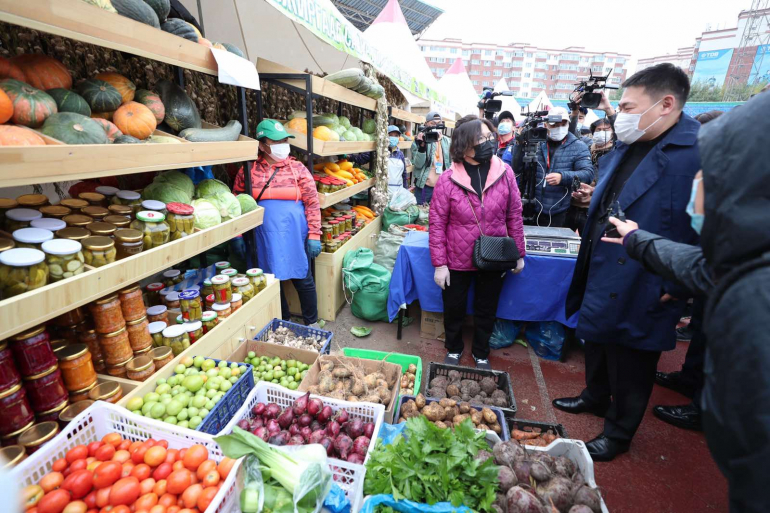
77,465
93,446
116,509
155,455
79,452
113,439
121,456
178,481
124,491
54,502
180,454
167,500
103,497
178,465
158,508
210,479
160,488
206,497
190,496
79,483
137,455
205,467
90,500
225,466
76,507
163,470
193,478
173,509
146,486
127,468
51,481
194,456
124,445
188,510
31,495
146,501
59,465
105,453
141,471
107,473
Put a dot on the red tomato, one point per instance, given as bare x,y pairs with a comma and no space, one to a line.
107,473
146,486
118,509
210,479
146,501
134,445
141,471
93,446
54,502
194,478
51,481
90,500
127,468
79,452
180,454
31,495
190,496
178,465
105,453
163,471
92,510
178,481
91,459
124,445
121,456
155,455
194,456
163,443
205,467
137,456
206,497
173,509
103,497
79,483
76,507
167,500
225,466
113,439
150,442
59,465
77,465
160,488
171,455
158,508
124,491
188,510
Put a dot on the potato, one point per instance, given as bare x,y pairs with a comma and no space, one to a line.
357,388
339,385
465,407
420,401
448,423
341,372
433,412
352,398
483,426
327,366
337,394
477,417
489,416
457,419
446,403
452,390
383,393
370,380
372,398
382,383
313,389
451,412
496,428
440,424
326,384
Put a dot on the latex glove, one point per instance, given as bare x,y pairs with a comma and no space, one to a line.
519,266
441,276
313,247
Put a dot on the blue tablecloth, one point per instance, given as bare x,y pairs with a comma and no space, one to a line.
539,293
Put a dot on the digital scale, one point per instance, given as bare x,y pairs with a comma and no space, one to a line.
560,242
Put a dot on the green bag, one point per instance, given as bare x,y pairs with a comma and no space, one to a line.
399,217
368,284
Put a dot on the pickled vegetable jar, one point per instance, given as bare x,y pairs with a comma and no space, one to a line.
207,288
154,228
118,370
99,251
190,303
132,303
176,338
140,368
154,206
78,234
96,213
93,198
55,211
6,244
32,200
32,351
64,258
161,356
222,310
17,412
111,392
180,219
107,314
46,390
31,238
36,436
121,210
139,334
101,228
258,279
9,375
119,222
243,287
223,292
221,266
157,313
6,204
73,410
12,456
153,293
77,220
209,320
76,367
156,332
18,218
22,269
82,395
116,347
128,242
236,303
179,319
172,301
210,300
74,204
52,414
172,277
128,198
194,330
107,190
48,223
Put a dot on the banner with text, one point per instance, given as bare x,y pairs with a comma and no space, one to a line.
711,67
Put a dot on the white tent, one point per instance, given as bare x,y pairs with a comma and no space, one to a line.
456,84
501,86
541,102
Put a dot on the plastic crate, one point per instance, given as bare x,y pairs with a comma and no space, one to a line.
543,426
349,476
504,435
102,418
404,360
300,330
230,403
503,380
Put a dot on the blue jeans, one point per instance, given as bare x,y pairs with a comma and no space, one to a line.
308,300
423,195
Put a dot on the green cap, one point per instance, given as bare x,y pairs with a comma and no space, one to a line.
272,129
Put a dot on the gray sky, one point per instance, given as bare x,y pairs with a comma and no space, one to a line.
642,28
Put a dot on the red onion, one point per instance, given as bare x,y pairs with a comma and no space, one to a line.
354,428
328,445
315,425
272,411
285,418
317,436
296,440
314,406
361,445
294,429
306,432
325,414
259,409
300,404
273,427
344,445
280,438
261,432
368,429
355,458
333,429
243,424
342,416
304,420
257,422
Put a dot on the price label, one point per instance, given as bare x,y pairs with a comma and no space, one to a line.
235,70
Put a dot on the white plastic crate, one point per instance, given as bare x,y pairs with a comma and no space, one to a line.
102,418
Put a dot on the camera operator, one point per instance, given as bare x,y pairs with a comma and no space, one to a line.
430,159
577,118
506,137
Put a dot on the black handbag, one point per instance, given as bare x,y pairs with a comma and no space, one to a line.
493,253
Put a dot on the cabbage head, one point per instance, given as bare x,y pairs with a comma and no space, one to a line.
210,187
344,121
247,203
165,192
179,180
350,135
206,214
228,205
369,126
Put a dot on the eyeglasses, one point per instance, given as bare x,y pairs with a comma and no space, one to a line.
491,137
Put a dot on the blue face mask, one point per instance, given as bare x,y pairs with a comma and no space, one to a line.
696,220
504,128
393,141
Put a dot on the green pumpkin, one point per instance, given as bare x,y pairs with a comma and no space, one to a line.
180,28
234,49
72,128
70,101
101,96
126,139
161,8
181,111
30,106
137,10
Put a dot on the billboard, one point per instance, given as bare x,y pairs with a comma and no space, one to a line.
760,71
711,67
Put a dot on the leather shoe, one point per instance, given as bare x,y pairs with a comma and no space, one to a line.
602,448
674,381
578,405
686,416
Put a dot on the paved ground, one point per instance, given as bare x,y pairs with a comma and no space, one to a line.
668,470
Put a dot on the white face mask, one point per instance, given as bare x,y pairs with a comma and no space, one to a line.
558,133
601,138
627,125
280,152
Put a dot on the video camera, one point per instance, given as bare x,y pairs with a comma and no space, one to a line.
489,105
432,133
590,99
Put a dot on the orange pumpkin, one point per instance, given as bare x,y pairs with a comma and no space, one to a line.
10,70
102,115
43,72
11,135
6,107
110,128
135,119
125,87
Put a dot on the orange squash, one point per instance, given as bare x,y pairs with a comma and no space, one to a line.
135,119
31,106
17,136
110,129
6,107
125,87
43,72
10,70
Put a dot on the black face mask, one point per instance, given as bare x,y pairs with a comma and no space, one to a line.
484,151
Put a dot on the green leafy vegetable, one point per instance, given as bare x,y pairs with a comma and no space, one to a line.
429,464
360,331
206,214
247,203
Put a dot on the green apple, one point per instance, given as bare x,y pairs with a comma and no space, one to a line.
158,411
198,361
151,397
135,403
179,369
194,422
199,401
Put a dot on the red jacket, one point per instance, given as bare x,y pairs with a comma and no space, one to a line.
453,229
293,182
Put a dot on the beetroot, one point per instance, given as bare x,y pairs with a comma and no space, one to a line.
296,440
243,424
506,478
304,420
564,467
483,456
368,429
521,469
328,445
333,429
539,471
556,490
355,428
280,438
317,436
342,416
273,427
356,458
261,432
314,406
285,418
361,445
294,429
300,404
589,497
272,411
325,414
344,445
521,501
259,409
507,453
306,432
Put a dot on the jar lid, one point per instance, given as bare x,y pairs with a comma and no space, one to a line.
58,407
114,333
128,195
210,298
218,307
182,209
23,214
229,272
222,265
208,316
220,279
334,222
140,320
84,390
32,199
73,233
240,282
59,343
155,286
77,220
193,326
39,434
8,203
153,205
129,289
108,299
21,257
172,273
164,291
117,220
123,210
142,352
94,211
17,433
29,333
107,190
92,197
206,282
74,203
156,327
156,310
48,223
150,216
12,455
172,296
105,390
121,364
254,272
237,297
73,410
98,242
15,388
6,244
46,372
175,330
61,247
179,319
189,294
139,364
72,352
32,235
161,353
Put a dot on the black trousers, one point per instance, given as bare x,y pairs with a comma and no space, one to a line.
308,300
692,369
488,287
622,377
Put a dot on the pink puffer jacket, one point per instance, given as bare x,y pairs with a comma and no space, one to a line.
453,229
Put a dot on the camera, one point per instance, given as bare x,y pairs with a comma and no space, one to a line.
489,105
590,99
432,133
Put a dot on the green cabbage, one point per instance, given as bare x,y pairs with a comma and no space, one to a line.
179,180
369,126
350,135
165,192
227,203
206,214
247,203
210,187
358,132
344,121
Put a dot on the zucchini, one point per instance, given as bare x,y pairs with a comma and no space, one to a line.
230,132
162,139
322,120
347,77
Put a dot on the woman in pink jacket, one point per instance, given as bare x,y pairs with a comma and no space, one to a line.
477,183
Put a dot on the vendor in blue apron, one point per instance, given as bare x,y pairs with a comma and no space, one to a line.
290,234
397,177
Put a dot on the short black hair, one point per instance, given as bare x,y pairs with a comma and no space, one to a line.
705,117
599,122
583,110
662,79
466,135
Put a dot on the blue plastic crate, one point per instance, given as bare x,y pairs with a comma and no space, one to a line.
504,435
298,329
230,403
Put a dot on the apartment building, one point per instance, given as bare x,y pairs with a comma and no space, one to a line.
682,58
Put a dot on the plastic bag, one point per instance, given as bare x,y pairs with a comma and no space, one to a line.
401,199
546,339
336,501
388,432
504,334
400,218
386,250
253,485
407,506
369,284
423,215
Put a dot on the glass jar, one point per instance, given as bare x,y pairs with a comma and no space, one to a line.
121,210
73,410
93,198
58,344
349,225
77,220
209,301
132,303
221,266
76,366
21,270
74,204
222,310
6,244
13,438
180,219
172,301
230,273
17,412
107,190
32,200
156,332
128,198
194,330
32,351
161,356
157,313
107,314
46,390
153,293
172,277
176,338
190,303
128,242
99,251
119,369
223,292
140,368
100,366
81,395
120,222
153,227
74,316
64,258
96,213
209,321
179,319
6,204
78,234
139,334
175,315
109,391
101,228
52,414
335,228
326,232
143,352
48,223
244,287
116,347
12,456
236,303
38,435
9,374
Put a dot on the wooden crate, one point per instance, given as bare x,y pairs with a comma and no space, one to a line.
328,274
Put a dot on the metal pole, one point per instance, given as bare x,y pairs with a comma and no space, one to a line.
200,18
309,113
249,237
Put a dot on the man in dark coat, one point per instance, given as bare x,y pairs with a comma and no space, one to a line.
628,315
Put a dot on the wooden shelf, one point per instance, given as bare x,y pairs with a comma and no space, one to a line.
409,169
27,310
327,200
78,20
321,86
329,148
405,145
406,116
